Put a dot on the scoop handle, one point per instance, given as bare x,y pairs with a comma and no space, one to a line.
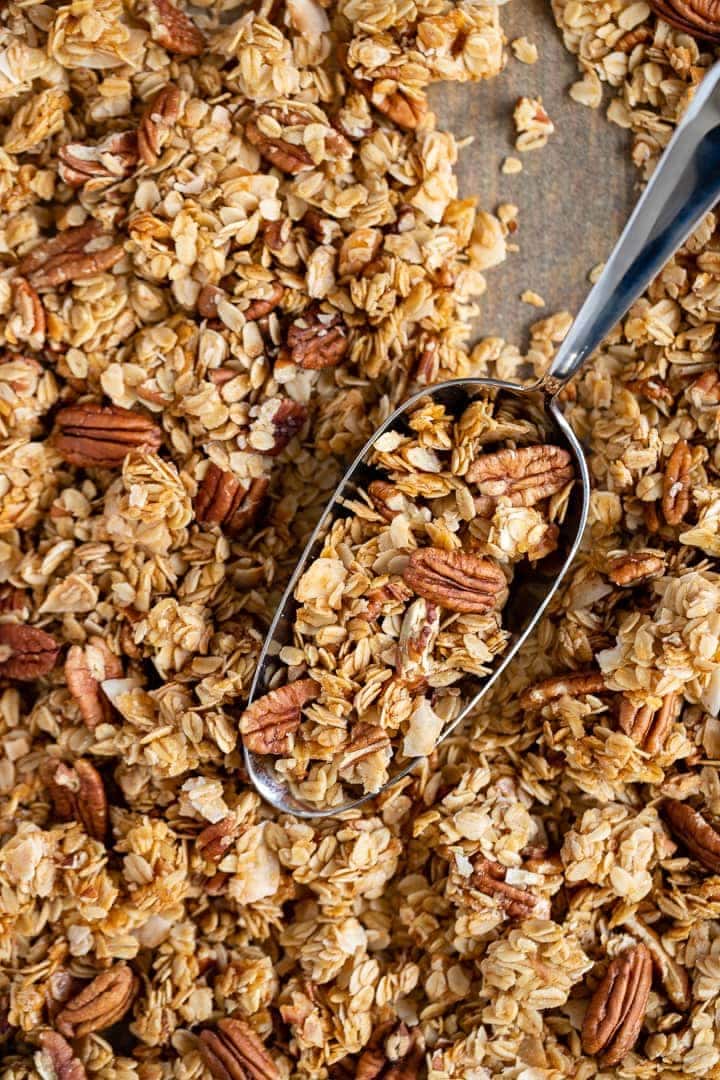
683,188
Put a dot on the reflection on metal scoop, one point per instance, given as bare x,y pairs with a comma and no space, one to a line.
684,187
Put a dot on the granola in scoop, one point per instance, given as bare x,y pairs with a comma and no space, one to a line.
399,615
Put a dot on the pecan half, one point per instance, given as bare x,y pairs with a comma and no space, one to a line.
99,436
66,257
224,500
215,839
232,1050
646,726
86,667
634,568
616,1011
524,476
100,1004
157,123
287,421
418,632
676,484
26,653
456,580
267,724
55,1059
112,159
572,684
698,17
694,833
316,340
173,29
78,794
488,877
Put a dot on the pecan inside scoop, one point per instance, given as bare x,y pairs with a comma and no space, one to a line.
698,17
456,580
268,723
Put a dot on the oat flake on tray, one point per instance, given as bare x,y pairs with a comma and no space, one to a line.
228,251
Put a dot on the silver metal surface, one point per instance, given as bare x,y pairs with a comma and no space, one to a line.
686,184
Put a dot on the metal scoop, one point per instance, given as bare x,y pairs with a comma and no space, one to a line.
684,187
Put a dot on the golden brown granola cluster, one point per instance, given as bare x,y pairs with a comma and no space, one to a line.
231,242
404,598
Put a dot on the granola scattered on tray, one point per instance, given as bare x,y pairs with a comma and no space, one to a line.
405,598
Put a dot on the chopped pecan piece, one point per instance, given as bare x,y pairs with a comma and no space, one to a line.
456,580
263,305
316,340
489,877
287,421
86,667
263,129
26,653
404,106
232,1050
573,684
646,726
67,242
55,1059
698,17
99,436
395,592
674,976
29,310
173,29
676,484
208,299
157,123
383,495
100,1004
705,390
634,568
66,257
632,38
112,159
524,476
277,132
12,599
418,632
365,739
215,839
694,833
616,1011
78,794
268,723
224,500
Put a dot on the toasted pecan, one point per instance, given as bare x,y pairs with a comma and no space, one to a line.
268,723
456,580
616,1011
90,435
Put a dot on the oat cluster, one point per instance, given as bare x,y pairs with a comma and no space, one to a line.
231,242
405,597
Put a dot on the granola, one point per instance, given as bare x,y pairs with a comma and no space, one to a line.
252,324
